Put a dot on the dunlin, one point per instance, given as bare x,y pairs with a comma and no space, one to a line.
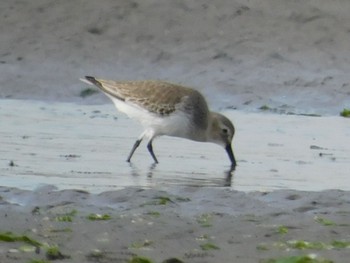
168,109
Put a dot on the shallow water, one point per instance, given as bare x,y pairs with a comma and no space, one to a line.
85,147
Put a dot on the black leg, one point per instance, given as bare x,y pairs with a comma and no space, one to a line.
150,149
137,143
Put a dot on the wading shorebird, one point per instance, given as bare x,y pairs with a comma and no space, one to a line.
168,109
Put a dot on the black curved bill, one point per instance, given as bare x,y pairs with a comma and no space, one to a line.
229,151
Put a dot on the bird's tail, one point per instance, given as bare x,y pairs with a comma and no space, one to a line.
91,81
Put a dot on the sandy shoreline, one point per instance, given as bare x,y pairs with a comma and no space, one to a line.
291,56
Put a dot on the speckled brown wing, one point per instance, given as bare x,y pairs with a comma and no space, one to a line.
159,97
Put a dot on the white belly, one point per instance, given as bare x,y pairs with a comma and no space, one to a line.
177,124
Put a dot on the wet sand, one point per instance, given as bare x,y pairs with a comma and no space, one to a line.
291,56
192,224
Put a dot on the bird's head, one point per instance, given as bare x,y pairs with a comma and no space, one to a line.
221,132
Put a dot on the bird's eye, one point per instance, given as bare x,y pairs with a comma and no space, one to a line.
225,131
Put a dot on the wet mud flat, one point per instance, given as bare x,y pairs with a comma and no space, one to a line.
68,195
191,224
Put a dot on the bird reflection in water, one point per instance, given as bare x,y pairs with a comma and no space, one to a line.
165,177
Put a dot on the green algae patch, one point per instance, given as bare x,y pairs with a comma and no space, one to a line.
68,217
163,200
282,230
64,218
301,244
338,244
265,108
324,221
209,246
98,217
298,259
10,237
53,253
345,113
38,261
61,230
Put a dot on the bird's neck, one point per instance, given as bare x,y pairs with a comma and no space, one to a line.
201,135
212,123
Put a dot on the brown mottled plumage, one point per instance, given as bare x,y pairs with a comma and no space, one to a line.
168,109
